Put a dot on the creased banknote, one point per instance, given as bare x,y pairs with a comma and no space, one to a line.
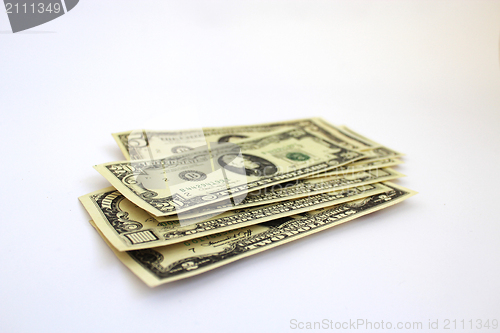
192,179
291,190
173,262
362,165
376,149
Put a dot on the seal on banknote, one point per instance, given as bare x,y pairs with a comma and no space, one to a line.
192,175
296,156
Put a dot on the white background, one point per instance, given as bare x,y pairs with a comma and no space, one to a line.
421,77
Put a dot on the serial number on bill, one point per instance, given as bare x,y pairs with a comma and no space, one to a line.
33,8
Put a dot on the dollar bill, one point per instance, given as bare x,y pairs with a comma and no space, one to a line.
189,180
173,262
129,227
287,191
144,144
375,150
362,165
357,136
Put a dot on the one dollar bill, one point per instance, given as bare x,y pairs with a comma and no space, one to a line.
362,165
193,179
148,144
376,149
291,190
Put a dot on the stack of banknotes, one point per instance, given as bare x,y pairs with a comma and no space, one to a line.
188,201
